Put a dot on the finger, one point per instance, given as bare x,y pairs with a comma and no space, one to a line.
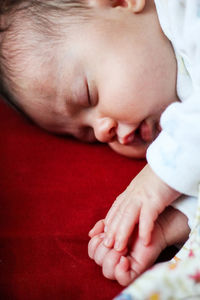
112,211
100,253
142,257
98,228
93,245
123,273
146,224
111,230
111,259
129,219
112,227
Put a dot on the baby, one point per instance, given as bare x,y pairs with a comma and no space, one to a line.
108,75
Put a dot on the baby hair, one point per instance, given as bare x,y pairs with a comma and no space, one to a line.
32,27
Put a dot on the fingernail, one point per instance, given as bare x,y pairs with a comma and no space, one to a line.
91,231
122,260
108,242
105,228
145,243
118,246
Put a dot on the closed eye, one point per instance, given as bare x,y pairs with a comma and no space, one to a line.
89,96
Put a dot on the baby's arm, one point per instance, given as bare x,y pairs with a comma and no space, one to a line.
143,200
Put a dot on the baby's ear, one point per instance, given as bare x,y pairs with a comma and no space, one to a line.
135,6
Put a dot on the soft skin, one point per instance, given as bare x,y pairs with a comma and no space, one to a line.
109,79
137,204
125,266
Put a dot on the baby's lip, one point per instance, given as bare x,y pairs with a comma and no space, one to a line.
149,130
128,139
146,132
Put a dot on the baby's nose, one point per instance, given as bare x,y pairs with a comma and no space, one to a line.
105,129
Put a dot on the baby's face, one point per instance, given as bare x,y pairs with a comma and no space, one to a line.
109,82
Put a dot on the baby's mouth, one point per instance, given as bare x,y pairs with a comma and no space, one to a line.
145,133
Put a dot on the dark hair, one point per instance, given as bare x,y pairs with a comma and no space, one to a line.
44,18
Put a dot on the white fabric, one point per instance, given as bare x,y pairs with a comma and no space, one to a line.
175,154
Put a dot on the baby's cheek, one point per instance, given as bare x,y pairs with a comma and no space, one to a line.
131,150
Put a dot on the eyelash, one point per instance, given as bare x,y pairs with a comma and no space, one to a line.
89,96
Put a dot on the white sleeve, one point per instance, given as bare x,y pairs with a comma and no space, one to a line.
175,154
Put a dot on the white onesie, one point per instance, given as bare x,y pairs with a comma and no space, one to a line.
175,154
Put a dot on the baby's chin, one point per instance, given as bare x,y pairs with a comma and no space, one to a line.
130,150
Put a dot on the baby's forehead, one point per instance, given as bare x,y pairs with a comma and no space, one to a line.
40,86
30,84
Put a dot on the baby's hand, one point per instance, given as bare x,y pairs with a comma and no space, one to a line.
143,200
171,227
115,265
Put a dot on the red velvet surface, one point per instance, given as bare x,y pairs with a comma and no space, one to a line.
52,191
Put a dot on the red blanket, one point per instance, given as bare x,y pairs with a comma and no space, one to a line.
52,191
